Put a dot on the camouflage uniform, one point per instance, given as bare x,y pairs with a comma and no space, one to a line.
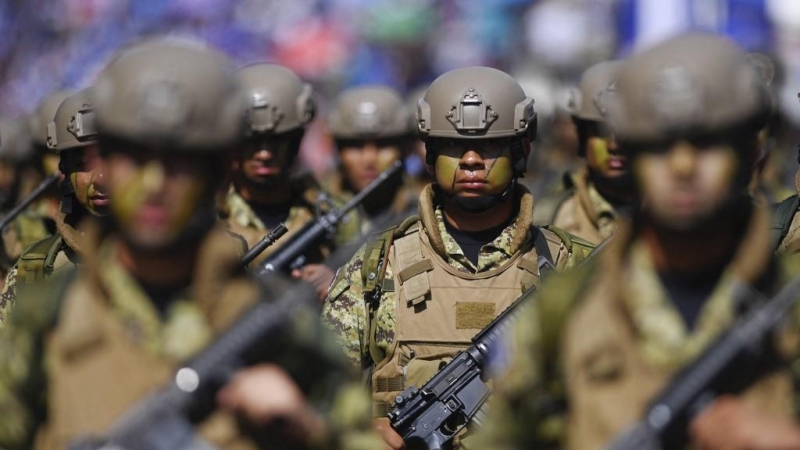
583,211
346,310
44,258
555,347
43,327
241,219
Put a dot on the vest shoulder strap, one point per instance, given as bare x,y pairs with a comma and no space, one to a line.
373,267
782,219
38,260
577,248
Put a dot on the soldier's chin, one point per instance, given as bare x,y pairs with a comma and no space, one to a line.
266,181
151,242
683,224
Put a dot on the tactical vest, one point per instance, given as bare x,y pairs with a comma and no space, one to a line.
439,309
39,260
97,370
610,382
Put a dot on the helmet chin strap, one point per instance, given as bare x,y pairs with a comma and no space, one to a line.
481,203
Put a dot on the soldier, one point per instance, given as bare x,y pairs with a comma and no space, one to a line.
596,193
689,111
373,129
74,138
18,177
46,158
265,192
413,297
160,281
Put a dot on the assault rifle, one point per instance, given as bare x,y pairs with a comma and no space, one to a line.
165,419
738,358
25,202
430,417
291,254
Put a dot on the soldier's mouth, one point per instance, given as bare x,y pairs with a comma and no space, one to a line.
99,200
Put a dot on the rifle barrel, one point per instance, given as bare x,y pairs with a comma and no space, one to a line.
22,205
263,244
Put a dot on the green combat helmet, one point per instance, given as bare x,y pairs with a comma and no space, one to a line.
38,120
370,112
73,127
279,101
44,114
171,94
588,104
675,89
476,103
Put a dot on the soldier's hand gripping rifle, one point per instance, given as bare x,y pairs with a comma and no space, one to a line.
165,419
739,357
25,202
291,254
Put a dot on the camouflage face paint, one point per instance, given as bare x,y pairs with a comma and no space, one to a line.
147,180
597,155
500,172
446,168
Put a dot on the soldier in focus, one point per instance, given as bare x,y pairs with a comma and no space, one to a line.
265,190
73,136
608,336
161,280
415,295
597,193
373,130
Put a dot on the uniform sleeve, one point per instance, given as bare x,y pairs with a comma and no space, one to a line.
21,386
9,295
344,311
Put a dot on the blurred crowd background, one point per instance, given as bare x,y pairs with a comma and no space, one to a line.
546,44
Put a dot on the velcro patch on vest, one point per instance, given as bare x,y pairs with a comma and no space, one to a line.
474,315
390,384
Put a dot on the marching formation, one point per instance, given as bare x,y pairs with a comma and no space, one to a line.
174,279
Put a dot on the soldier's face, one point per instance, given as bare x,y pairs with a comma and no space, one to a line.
85,173
155,196
267,159
363,161
474,168
685,185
